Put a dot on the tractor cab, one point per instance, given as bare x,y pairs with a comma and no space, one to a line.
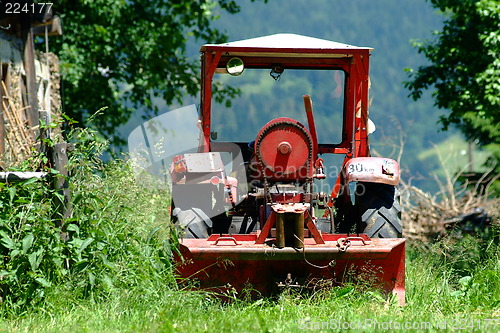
254,191
272,74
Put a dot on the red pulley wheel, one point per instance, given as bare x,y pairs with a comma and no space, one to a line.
283,147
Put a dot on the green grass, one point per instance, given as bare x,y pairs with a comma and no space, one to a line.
457,284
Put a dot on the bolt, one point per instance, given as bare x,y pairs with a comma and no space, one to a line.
284,148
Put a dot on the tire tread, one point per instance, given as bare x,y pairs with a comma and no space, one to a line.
379,209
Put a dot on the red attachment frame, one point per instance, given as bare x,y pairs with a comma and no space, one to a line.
239,261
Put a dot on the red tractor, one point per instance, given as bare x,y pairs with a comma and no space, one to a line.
250,201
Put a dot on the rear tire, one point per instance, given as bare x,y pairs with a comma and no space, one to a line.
379,209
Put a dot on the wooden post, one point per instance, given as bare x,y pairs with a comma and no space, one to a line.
471,155
2,120
29,67
3,95
62,203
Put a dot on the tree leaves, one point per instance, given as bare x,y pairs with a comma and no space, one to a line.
465,67
122,53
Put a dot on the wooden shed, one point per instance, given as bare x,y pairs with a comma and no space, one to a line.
30,79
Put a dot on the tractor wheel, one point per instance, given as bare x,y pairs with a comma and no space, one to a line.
379,209
193,223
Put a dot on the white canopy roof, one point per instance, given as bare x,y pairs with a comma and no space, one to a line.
286,42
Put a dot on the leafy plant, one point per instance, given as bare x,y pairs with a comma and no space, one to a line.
117,238
464,70
124,54
30,245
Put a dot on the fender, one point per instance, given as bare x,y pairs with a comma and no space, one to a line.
372,170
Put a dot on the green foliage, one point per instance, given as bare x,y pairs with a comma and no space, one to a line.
465,67
123,53
118,237
30,245
120,232
459,272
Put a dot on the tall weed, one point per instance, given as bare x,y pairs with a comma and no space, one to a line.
32,251
118,233
456,274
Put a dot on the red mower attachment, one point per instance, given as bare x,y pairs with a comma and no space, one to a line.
221,262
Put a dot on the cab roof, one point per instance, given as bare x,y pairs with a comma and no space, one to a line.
286,45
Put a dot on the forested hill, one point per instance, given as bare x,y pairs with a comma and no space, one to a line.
386,25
